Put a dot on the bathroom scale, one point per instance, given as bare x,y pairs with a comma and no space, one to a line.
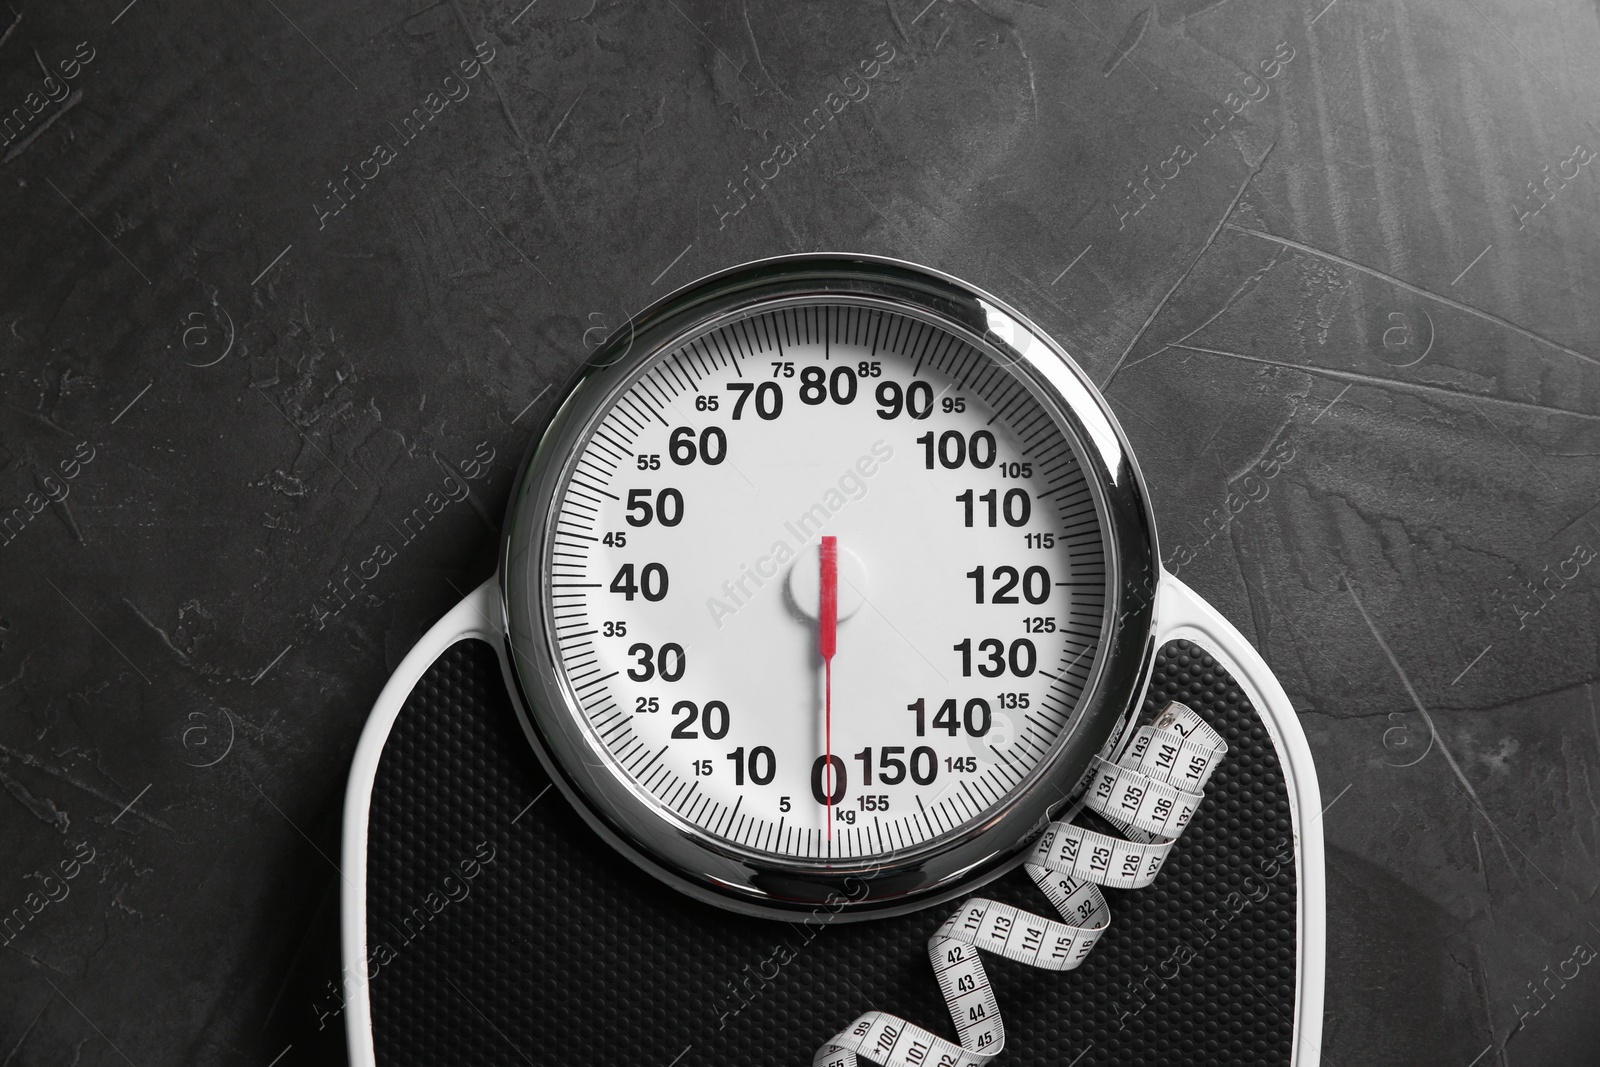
830,704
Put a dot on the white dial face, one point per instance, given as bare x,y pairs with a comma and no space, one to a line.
690,582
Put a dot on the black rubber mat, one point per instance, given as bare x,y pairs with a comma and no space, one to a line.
510,934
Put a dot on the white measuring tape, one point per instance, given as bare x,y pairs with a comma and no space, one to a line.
1149,795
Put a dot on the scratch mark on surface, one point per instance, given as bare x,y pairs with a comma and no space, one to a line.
1416,702
1411,691
1481,982
1385,383
38,764
755,50
894,17
15,678
1306,642
564,115
97,630
79,1010
63,512
505,109
1486,316
44,420
492,225
1033,88
1484,984
714,47
37,962
1510,42
875,211
1130,40
1484,871
1588,688
66,105
15,1048
1245,288
1496,427
97,230
1118,402
165,640
1181,278
1101,33
41,808
262,393
296,29
1273,204
1254,461
4,37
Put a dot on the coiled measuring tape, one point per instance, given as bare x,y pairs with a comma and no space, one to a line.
1149,795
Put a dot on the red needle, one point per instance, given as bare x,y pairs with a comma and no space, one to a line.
828,639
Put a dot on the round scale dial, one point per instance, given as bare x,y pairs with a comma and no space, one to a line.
824,581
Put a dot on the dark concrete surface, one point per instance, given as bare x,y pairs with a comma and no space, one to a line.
1351,306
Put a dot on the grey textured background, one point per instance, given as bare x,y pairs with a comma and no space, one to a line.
1351,276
